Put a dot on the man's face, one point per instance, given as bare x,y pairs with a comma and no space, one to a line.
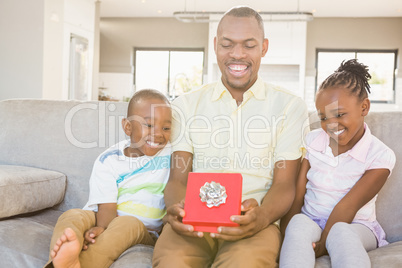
239,47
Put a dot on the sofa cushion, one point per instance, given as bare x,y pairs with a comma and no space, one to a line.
138,256
386,256
26,189
25,239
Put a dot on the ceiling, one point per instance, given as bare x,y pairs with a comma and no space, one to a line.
320,8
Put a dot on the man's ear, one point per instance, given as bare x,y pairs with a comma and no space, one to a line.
215,44
365,106
265,45
126,124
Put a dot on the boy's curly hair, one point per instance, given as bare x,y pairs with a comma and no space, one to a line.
352,75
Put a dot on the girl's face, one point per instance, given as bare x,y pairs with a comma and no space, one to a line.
342,116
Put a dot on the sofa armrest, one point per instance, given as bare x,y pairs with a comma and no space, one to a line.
26,189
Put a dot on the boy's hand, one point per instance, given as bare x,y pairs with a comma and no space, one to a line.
251,221
90,235
174,216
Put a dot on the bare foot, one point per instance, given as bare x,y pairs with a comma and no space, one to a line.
66,250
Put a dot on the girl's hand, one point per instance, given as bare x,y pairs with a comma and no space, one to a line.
320,249
90,235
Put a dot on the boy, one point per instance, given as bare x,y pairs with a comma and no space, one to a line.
126,203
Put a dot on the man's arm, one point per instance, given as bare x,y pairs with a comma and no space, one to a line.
280,196
180,166
275,204
175,192
299,198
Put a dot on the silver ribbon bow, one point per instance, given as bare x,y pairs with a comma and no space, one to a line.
213,194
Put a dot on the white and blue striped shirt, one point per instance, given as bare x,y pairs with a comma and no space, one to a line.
136,184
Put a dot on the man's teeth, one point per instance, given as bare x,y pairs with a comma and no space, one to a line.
339,132
238,67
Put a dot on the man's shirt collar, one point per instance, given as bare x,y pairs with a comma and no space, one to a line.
256,90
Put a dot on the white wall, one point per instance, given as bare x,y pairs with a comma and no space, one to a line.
52,73
79,19
34,47
21,48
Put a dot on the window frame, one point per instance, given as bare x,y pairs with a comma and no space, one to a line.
168,49
356,51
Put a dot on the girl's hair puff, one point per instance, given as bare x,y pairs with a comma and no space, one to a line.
352,75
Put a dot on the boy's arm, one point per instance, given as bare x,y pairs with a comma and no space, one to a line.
299,197
362,192
106,213
175,192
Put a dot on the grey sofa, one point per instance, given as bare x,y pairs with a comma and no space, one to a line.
47,150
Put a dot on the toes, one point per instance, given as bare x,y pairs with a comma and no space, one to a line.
70,234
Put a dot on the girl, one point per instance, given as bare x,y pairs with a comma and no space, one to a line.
340,177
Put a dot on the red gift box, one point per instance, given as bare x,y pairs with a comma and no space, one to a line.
208,219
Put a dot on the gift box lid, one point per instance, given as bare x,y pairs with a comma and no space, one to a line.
221,191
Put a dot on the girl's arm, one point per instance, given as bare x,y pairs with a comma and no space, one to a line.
362,192
299,197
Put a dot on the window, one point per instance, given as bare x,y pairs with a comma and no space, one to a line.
171,71
381,64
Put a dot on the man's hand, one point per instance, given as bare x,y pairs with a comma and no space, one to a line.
174,216
90,235
251,222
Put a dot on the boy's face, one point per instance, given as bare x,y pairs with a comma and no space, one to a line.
148,127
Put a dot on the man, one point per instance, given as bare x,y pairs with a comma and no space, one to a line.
239,124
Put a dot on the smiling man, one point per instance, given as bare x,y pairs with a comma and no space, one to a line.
239,125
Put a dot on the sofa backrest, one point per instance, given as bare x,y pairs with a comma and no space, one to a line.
64,136
387,126
67,136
